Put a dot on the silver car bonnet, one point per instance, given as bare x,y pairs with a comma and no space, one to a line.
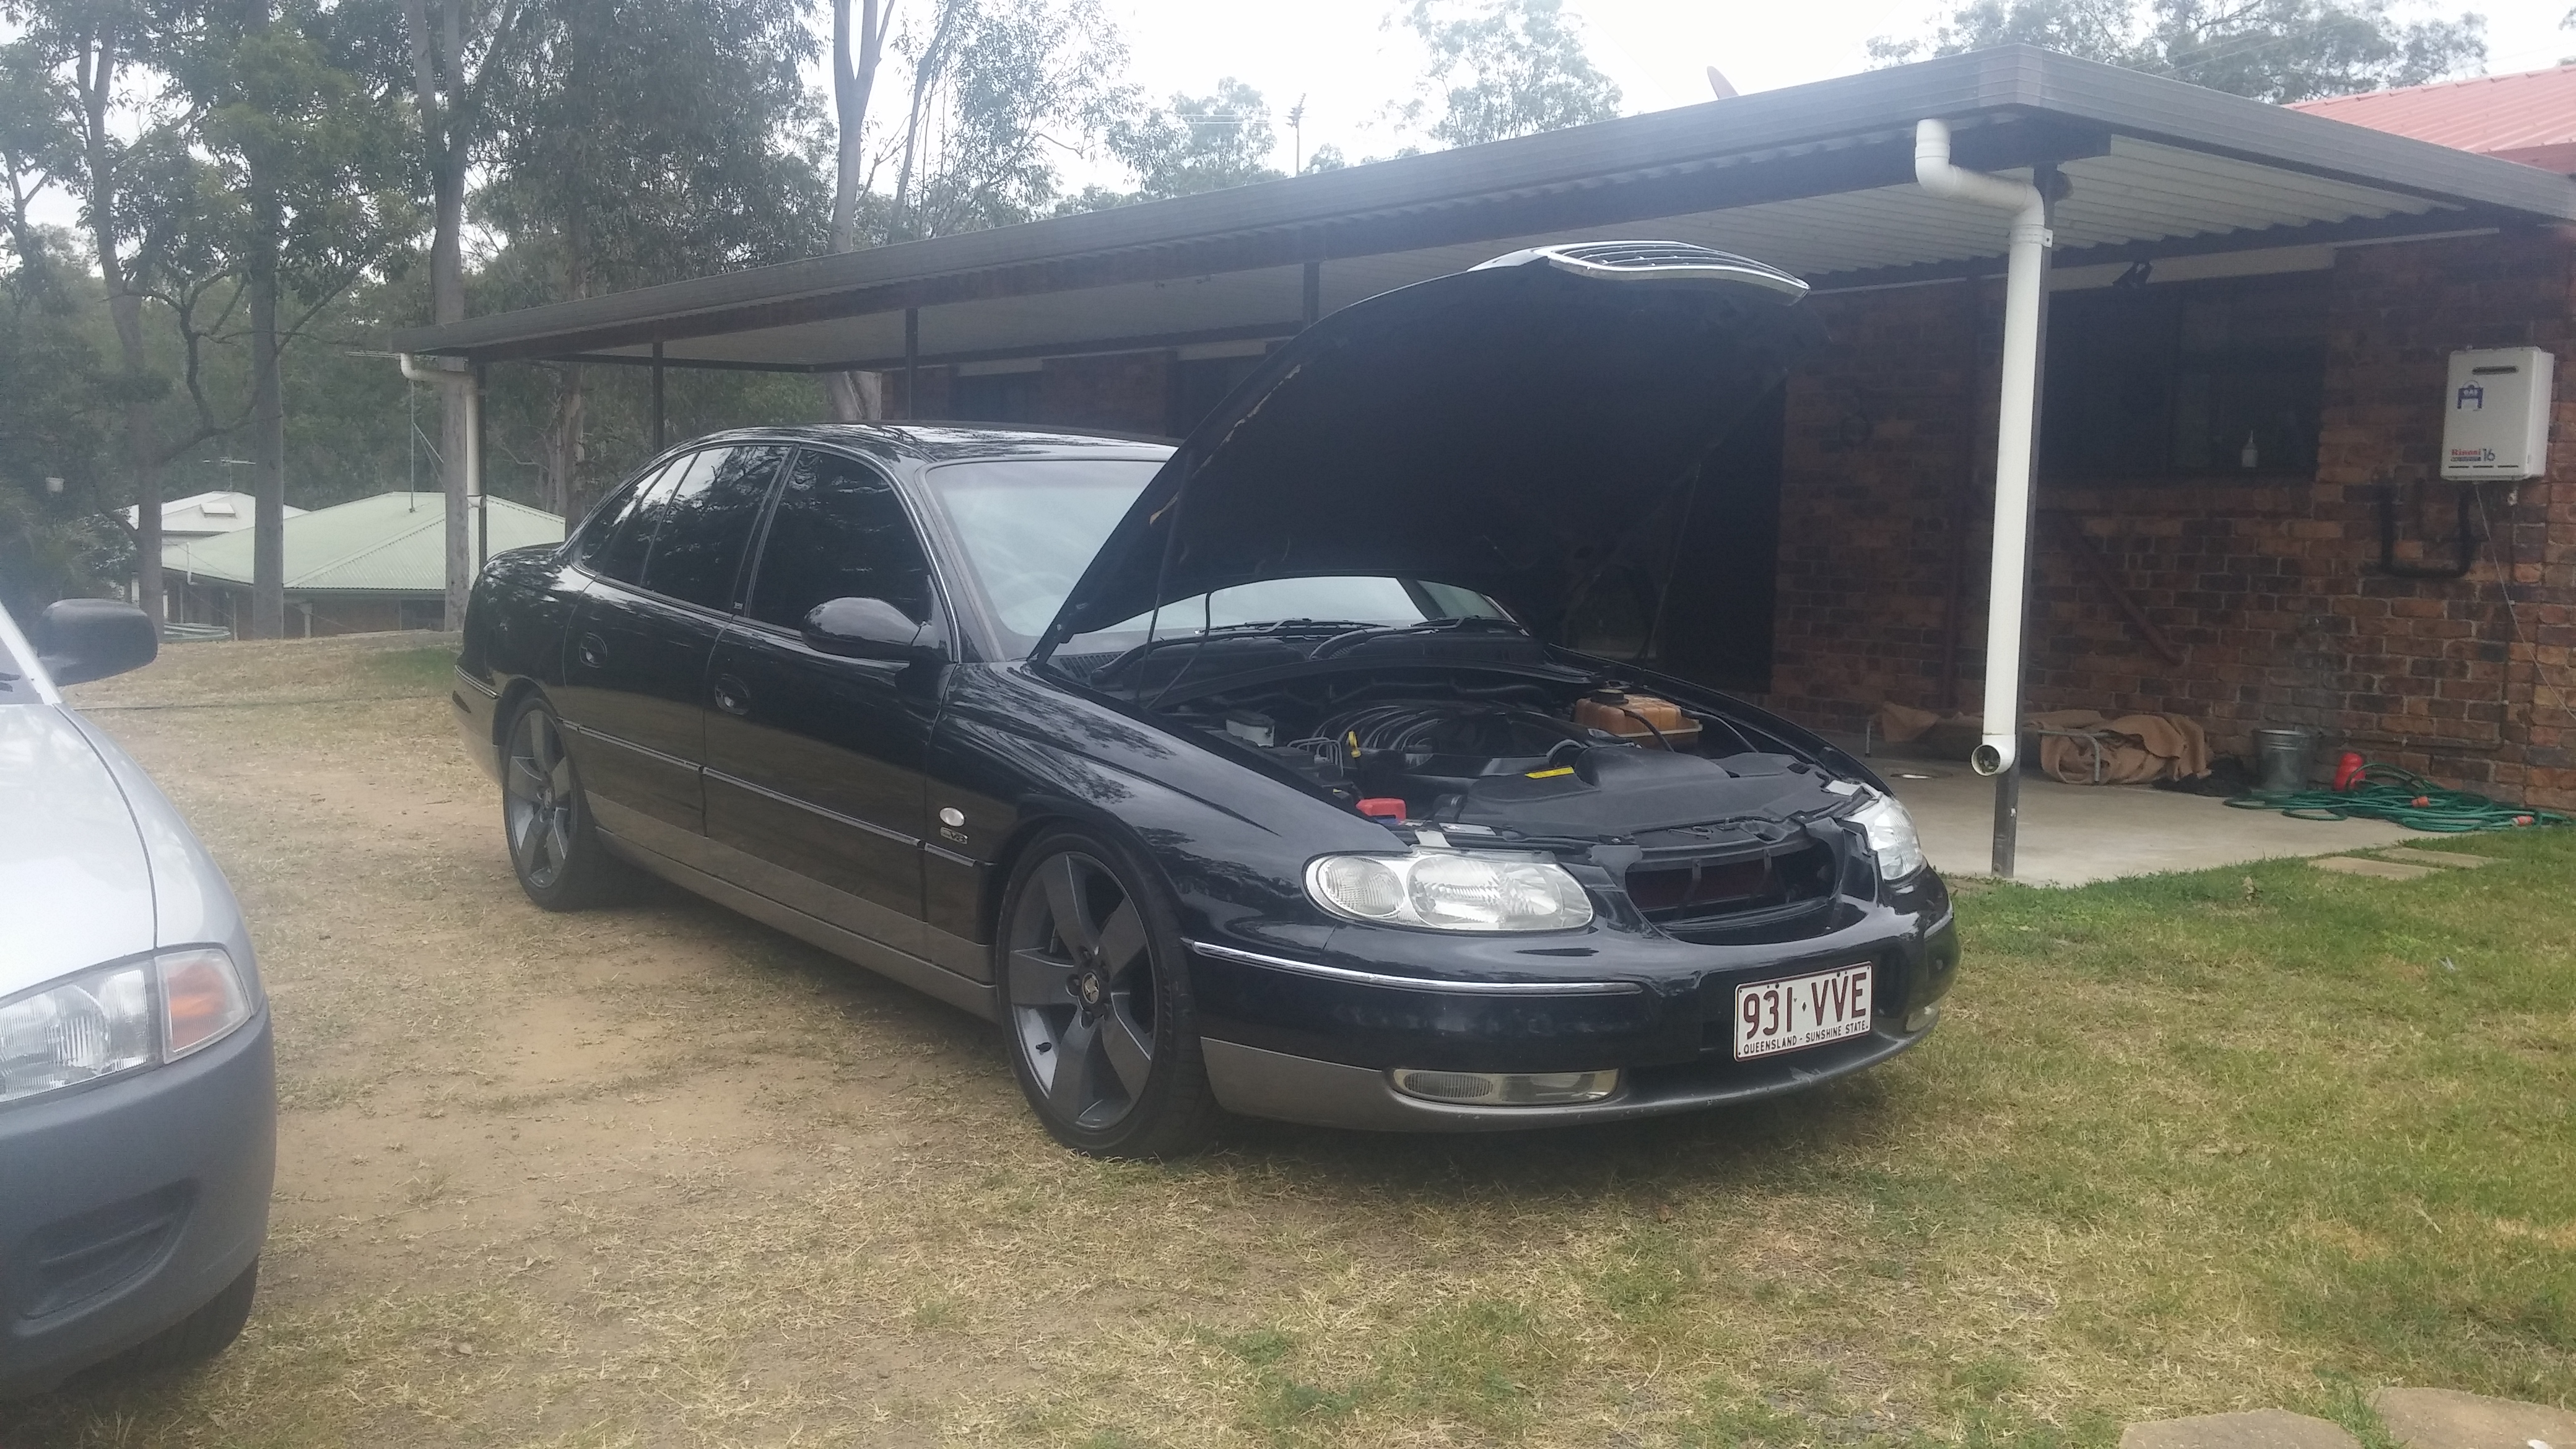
75,877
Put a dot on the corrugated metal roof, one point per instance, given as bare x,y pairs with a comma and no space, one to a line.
393,543
1817,179
219,511
2529,117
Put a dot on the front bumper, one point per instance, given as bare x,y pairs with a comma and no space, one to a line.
1257,1083
128,1206
1310,1036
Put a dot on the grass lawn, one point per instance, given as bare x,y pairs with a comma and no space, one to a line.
656,1176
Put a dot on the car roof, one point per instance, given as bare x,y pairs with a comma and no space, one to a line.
945,442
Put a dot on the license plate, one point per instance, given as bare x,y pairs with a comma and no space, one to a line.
1803,1011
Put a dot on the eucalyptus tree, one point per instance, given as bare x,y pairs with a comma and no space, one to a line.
858,47
643,141
453,45
301,127
75,66
1000,90
1197,143
1503,68
2271,50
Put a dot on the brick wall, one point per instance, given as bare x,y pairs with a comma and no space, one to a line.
2270,594
1126,393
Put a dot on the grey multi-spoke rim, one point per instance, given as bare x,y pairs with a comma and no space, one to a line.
1081,989
537,800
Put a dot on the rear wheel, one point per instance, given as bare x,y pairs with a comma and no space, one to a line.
545,818
1104,1039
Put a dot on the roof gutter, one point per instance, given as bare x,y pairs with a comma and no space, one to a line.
2025,274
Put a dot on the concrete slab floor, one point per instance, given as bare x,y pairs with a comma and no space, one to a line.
2078,834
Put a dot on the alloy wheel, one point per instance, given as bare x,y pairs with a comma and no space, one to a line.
1081,991
538,795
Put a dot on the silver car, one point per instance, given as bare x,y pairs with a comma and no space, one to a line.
138,1108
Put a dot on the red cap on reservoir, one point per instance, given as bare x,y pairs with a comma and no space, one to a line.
1382,807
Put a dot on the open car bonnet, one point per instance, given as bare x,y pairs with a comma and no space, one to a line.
1501,429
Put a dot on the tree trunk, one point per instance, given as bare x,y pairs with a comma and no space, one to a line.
125,311
559,466
268,426
438,87
854,396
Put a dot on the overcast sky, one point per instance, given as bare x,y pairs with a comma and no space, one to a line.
1339,56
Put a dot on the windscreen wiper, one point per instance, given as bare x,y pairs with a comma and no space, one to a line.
1340,642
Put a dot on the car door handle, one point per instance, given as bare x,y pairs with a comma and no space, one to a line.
732,695
593,650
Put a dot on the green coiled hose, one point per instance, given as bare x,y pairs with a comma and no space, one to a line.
2402,797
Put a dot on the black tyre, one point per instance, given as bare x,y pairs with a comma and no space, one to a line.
545,818
1096,1003
193,1339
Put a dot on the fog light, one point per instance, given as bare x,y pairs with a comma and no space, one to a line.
1921,1018
1506,1089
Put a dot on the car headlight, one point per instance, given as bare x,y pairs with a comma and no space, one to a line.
118,1018
1449,890
1891,836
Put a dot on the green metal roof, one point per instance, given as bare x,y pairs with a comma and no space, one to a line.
393,543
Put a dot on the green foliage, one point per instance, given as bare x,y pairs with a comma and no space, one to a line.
2271,50
1503,68
1198,143
999,87
719,170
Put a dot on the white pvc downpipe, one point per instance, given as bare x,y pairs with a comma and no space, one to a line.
2025,271
412,371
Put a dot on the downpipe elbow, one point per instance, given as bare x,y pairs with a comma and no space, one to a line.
1994,755
1936,173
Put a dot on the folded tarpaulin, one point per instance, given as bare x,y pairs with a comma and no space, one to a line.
2132,748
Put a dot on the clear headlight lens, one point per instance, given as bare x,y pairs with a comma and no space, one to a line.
1451,891
117,1018
1891,836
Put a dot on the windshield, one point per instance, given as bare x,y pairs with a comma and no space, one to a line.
1028,528
1328,601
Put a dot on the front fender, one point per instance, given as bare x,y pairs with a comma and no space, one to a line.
1013,754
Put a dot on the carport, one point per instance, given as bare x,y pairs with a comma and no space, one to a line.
2140,177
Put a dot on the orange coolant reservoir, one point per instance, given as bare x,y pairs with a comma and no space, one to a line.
1645,719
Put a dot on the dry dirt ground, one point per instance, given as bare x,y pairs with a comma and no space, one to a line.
656,1175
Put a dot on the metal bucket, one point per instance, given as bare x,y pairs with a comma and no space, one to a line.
2281,760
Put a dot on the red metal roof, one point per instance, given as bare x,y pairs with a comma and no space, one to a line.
2529,117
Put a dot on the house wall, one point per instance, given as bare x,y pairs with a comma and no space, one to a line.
1128,392
204,603
2270,590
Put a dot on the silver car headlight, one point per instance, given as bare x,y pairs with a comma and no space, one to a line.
1891,836
1448,890
118,1018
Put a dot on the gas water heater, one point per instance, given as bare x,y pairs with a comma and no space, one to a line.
2495,420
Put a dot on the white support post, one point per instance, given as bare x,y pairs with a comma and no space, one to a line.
2017,428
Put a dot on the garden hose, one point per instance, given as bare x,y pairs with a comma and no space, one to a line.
2401,797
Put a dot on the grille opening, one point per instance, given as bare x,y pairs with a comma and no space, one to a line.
1686,891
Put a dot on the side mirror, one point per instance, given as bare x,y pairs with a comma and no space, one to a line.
872,629
84,639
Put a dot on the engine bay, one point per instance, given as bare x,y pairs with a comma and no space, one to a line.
1576,758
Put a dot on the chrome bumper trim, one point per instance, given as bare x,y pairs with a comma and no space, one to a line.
1418,983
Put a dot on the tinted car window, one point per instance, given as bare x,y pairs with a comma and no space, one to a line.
707,521
839,532
622,547
600,529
